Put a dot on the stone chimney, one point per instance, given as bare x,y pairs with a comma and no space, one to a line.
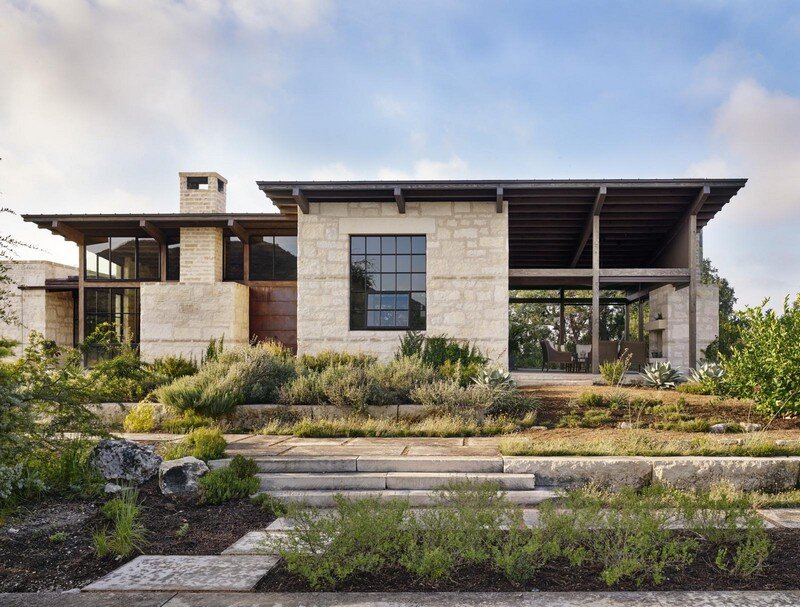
202,192
201,248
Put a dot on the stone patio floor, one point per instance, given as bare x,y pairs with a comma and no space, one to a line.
429,599
260,445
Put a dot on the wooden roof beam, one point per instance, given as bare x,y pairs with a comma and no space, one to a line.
67,231
693,209
237,228
498,205
301,200
153,231
400,200
599,199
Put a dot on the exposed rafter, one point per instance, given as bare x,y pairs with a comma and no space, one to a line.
153,231
498,205
599,199
237,229
301,200
68,232
400,200
693,209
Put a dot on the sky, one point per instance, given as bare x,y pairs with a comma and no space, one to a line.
103,102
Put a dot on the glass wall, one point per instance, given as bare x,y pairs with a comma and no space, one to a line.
273,258
119,308
387,282
174,258
122,258
233,254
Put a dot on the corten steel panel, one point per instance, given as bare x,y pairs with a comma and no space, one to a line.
273,313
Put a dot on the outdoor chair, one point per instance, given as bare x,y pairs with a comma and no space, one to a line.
608,351
552,356
637,351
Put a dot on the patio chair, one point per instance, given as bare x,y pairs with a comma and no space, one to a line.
552,356
637,351
608,351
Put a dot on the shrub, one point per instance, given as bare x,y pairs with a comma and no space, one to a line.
437,350
202,443
700,388
613,371
765,364
126,534
170,368
235,481
186,422
306,389
270,505
459,372
449,398
259,372
590,399
661,376
330,358
185,392
141,418
394,381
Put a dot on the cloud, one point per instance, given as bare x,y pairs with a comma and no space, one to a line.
454,168
714,74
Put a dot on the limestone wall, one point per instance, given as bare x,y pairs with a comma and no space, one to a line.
35,310
467,273
673,305
181,318
201,255
209,200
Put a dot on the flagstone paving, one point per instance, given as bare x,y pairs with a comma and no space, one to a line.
192,573
406,599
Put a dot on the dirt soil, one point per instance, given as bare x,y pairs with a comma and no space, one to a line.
780,573
31,562
556,404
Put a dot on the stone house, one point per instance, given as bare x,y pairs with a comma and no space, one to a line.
353,265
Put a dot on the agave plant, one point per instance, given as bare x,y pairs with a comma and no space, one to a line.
494,379
706,371
661,376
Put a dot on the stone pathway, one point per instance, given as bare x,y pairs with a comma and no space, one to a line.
407,599
192,573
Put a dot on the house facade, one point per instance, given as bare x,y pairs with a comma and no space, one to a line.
353,265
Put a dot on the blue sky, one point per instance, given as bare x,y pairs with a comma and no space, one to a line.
104,102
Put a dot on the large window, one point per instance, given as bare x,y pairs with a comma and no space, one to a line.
122,258
174,258
387,283
273,258
118,307
233,253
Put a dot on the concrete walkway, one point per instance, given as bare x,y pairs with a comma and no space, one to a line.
428,599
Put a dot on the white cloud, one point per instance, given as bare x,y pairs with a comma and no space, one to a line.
426,168
714,74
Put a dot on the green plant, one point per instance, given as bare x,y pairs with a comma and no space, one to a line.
126,534
214,349
186,422
765,364
449,398
613,372
270,505
170,368
661,375
141,418
495,379
330,358
182,531
394,381
59,537
203,443
411,344
692,387
590,399
237,480
706,371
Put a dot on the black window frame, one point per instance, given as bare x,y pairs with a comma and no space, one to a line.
273,276
228,267
396,263
136,261
110,314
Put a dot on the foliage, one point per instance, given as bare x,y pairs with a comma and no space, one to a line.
213,351
436,350
494,379
449,398
613,371
459,372
730,324
237,480
270,505
765,366
331,358
186,422
170,368
8,246
141,418
203,443
396,379
126,534
661,375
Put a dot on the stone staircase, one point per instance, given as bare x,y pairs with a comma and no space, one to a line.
316,480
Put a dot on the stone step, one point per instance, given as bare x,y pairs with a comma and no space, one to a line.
439,480
372,463
359,481
417,499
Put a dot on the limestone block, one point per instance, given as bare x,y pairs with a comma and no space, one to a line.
181,476
572,472
746,474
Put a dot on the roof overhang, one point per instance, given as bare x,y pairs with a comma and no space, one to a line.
163,225
549,221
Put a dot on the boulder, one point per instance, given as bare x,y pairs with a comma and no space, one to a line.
743,473
718,429
750,427
180,476
124,460
112,488
611,473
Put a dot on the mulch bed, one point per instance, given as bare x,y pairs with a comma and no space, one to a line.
30,562
780,573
